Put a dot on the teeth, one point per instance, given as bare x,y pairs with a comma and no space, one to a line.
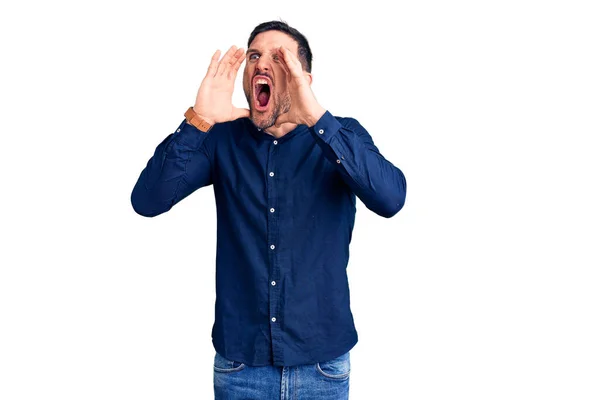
261,81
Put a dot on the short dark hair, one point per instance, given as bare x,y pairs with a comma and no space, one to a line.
304,53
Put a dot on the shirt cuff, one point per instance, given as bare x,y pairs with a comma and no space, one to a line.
189,135
326,127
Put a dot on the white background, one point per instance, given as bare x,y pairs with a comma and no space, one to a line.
484,286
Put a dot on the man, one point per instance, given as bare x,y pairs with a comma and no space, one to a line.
285,174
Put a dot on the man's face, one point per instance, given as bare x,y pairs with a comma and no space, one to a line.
264,78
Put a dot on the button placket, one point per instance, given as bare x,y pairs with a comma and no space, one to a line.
272,238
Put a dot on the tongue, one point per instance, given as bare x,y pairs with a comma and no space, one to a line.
263,98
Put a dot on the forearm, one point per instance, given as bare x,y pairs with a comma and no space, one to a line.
379,184
177,167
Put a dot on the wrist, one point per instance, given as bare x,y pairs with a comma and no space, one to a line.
197,120
315,116
202,115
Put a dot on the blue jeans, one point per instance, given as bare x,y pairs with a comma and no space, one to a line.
327,380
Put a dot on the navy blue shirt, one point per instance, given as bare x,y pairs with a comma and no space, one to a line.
285,214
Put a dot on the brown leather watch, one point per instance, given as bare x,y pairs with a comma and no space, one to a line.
197,121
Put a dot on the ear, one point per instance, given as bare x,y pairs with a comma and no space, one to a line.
308,77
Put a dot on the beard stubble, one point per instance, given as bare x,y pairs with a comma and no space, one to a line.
263,121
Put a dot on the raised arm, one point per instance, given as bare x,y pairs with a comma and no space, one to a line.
179,166
182,161
378,183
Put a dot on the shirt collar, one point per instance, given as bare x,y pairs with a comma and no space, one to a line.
260,135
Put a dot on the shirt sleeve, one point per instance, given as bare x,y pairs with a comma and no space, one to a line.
379,184
179,166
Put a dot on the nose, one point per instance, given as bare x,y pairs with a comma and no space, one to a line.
263,64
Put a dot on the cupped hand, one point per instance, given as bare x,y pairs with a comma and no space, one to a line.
304,108
214,98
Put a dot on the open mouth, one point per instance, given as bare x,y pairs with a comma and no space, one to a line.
262,93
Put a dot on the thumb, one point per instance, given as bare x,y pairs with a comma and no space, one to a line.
240,113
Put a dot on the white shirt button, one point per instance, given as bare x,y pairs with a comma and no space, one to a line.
273,283
178,130
271,173
272,210
338,161
273,319
321,131
274,141
272,246
259,129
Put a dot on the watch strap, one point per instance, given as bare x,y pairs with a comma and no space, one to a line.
196,120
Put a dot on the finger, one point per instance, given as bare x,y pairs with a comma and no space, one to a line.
214,62
291,61
240,113
237,61
225,60
283,62
240,60
232,61
224,64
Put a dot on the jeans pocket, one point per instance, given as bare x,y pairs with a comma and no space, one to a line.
222,364
336,368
